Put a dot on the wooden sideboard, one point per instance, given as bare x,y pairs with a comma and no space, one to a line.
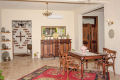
50,48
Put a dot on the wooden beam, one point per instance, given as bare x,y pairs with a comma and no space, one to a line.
42,1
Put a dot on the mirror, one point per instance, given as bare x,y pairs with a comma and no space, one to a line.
111,33
48,31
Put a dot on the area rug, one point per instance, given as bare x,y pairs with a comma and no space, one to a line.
54,73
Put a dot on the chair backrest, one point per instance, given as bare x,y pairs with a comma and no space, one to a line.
105,50
62,54
111,54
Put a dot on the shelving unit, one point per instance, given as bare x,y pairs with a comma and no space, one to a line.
5,41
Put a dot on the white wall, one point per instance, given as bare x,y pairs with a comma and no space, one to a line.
78,30
112,12
38,20
100,28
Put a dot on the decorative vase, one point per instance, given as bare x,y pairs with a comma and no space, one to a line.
55,35
43,37
68,36
2,29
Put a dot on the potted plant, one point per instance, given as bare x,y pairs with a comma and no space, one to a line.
1,77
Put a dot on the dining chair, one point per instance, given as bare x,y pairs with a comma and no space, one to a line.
67,62
72,63
62,61
110,58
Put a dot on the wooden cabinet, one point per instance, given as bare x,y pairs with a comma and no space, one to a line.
50,48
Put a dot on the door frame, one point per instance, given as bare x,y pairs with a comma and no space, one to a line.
96,24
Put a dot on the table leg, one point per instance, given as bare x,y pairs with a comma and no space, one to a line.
82,67
68,70
104,71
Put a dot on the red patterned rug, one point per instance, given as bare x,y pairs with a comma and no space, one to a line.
53,73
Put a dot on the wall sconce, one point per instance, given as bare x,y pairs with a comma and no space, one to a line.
110,22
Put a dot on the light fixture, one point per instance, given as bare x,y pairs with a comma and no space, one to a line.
47,12
110,22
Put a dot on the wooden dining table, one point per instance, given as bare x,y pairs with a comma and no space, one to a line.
88,56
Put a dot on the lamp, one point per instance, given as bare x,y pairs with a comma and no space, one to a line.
47,12
110,22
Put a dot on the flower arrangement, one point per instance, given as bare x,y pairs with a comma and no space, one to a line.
83,48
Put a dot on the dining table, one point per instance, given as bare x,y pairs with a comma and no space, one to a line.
88,56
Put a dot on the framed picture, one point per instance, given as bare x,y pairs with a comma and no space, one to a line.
48,31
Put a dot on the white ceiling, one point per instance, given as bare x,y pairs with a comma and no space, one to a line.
25,4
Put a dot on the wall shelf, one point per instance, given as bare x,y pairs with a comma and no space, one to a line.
5,32
6,49
6,41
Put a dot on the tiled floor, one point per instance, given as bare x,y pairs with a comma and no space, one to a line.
21,66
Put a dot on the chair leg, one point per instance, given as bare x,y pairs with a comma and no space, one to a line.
77,68
60,65
86,64
94,64
107,68
114,69
31,51
98,66
27,51
63,70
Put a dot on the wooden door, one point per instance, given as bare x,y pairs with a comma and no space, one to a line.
90,37
86,35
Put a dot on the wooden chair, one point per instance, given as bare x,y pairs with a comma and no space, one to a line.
71,63
62,60
99,62
67,62
110,58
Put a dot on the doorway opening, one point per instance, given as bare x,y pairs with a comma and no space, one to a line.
22,38
90,33
93,30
